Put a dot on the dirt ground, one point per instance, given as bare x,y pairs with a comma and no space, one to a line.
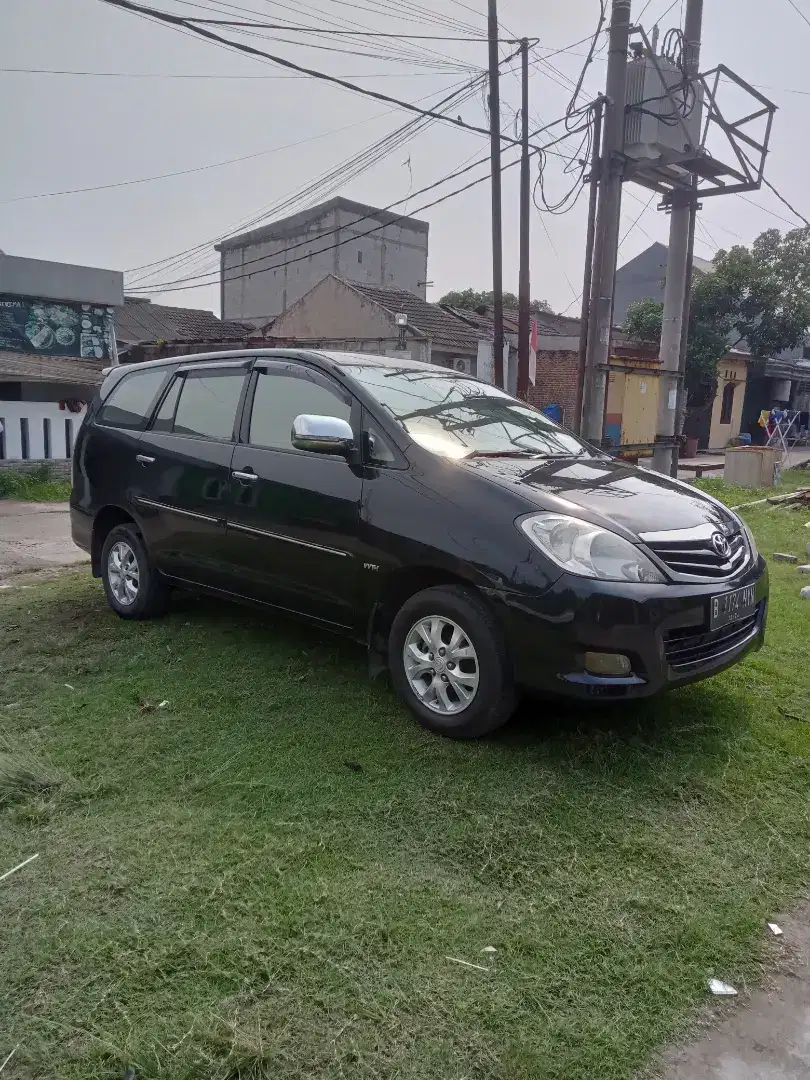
35,536
762,1037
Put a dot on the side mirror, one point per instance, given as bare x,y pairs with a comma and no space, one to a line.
322,434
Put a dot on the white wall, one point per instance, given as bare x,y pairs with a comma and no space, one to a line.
36,411
259,285
60,281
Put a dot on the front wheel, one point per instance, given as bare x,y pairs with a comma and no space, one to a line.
134,588
449,664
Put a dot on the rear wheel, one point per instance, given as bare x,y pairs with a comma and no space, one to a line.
134,588
449,664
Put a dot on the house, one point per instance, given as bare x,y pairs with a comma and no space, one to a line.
356,317
146,331
265,271
56,335
643,278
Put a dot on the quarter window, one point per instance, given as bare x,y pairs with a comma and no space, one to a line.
279,398
130,403
208,404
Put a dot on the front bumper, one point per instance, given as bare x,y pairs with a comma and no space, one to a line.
663,629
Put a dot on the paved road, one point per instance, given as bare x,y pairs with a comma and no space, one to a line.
766,1037
35,536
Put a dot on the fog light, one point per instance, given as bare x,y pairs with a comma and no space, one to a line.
607,663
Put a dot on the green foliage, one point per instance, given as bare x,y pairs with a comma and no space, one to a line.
760,296
470,299
36,485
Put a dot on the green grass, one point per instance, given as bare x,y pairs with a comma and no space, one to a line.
36,486
220,896
734,495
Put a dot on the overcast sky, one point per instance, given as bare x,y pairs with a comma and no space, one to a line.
74,131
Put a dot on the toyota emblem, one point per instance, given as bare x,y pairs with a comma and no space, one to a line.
720,545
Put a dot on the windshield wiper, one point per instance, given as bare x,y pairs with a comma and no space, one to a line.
534,455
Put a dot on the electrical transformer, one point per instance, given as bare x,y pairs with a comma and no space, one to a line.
651,127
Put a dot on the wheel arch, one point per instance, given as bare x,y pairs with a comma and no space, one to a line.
103,523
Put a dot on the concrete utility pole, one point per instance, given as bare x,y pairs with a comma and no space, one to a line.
665,454
524,289
495,159
587,277
606,241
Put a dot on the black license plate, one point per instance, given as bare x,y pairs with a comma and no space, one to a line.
731,607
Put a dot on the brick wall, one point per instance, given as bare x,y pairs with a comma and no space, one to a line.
556,382
57,469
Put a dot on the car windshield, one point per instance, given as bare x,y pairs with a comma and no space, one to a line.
460,417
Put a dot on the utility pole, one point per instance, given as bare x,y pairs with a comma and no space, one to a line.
524,288
665,453
587,279
495,159
606,239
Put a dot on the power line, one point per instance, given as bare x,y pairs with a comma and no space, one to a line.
186,172
782,199
165,75
178,22
799,11
359,236
322,186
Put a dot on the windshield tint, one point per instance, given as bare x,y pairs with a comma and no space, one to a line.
460,417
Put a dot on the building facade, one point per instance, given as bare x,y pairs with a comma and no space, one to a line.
265,271
56,336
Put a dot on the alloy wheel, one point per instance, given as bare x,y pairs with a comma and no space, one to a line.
123,573
441,665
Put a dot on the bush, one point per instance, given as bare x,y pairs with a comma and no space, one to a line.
38,484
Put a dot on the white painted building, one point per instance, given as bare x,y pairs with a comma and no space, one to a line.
56,336
265,271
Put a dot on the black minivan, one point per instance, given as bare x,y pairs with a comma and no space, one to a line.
473,545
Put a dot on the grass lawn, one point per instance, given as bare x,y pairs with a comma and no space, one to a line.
39,486
265,877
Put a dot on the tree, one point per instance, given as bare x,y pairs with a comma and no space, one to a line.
470,299
759,296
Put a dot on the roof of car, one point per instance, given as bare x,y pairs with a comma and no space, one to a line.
340,360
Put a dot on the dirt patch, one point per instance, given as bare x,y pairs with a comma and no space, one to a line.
764,1035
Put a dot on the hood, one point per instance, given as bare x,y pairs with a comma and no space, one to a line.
606,492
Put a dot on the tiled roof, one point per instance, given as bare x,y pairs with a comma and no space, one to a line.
59,369
141,321
443,329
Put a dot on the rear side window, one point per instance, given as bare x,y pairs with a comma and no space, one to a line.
208,404
279,398
130,402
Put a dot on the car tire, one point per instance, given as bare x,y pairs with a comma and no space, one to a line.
475,663
134,588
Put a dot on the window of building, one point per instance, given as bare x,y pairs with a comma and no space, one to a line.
46,438
2,438
130,403
208,404
68,438
25,444
279,398
727,404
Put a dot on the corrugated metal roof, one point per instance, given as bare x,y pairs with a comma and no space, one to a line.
141,321
444,329
59,369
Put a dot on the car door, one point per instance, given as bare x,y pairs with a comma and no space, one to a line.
181,486
294,515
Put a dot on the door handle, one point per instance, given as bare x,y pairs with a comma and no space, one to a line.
246,475
144,459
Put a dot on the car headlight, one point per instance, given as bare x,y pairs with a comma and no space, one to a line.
751,541
588,550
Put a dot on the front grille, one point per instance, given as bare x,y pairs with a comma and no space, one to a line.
698,559
684,648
